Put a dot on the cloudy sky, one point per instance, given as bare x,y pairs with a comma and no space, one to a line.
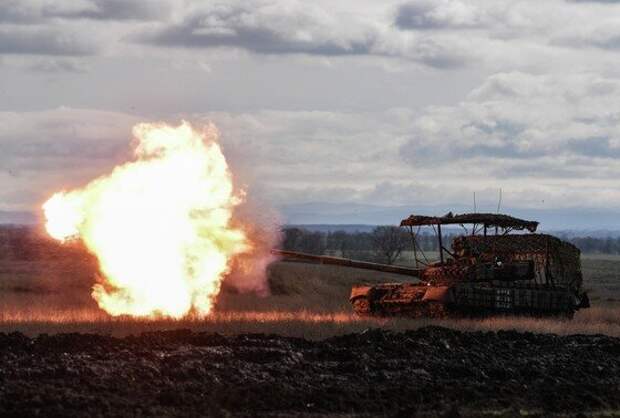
401,103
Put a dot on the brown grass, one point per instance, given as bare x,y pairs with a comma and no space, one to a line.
308,301
297,323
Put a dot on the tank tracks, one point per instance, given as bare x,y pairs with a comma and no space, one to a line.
437,310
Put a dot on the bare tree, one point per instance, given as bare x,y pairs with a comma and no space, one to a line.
297,239
389,242
313,242
291,238
340,241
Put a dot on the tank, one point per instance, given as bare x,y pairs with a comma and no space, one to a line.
499,267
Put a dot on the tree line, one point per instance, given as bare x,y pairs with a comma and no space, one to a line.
25,243
596,245
386,244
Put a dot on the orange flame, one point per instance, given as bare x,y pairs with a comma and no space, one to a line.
160,225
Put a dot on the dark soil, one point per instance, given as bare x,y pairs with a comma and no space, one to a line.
431,371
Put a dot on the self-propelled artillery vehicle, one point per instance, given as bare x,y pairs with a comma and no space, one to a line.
488,271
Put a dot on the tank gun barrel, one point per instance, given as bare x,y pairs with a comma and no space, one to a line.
346,262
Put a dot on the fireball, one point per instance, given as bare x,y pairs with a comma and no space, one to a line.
160,226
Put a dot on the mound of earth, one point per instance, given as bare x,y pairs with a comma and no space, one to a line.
430,371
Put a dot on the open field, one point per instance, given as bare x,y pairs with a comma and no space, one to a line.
308,301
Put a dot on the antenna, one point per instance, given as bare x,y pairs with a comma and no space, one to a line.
475,202
499,201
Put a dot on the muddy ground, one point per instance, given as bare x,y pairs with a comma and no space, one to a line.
430,371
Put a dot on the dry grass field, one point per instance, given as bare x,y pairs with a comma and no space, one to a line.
307,300
256,370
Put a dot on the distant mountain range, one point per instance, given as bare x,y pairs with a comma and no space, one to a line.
359,217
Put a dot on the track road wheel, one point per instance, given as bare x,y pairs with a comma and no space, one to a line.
437,310
430,309
361,306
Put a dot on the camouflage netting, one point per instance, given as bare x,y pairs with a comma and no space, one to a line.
556,262
489,220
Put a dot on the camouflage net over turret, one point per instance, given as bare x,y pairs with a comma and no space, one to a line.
556,262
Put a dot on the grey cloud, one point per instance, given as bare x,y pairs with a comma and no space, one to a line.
275,28
61,139
289,156
429,155
598,147
504,124
542,168
595,1
54,155
270,30
609,42
413,16
54,65
43,11
433,54
19,12
269,34
112,10
502,128
44,42
603,33
505,133
494,138
437,14
603,38
506,150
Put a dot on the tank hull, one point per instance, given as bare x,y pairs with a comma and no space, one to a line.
463,300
